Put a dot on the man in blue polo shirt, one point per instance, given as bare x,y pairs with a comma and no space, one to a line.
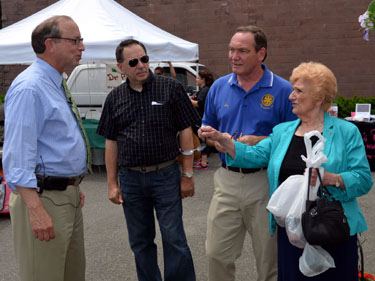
247,104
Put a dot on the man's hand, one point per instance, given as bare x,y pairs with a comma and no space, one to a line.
41,224
82,197
250,139
114,194
40,221
187,187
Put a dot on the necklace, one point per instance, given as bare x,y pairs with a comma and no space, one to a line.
303,129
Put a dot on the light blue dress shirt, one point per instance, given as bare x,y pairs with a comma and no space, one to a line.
42,134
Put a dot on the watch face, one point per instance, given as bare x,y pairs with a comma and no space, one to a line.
188,175
337,182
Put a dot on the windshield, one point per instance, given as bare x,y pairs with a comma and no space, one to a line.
205,68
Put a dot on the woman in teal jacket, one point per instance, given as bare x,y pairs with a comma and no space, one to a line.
347,173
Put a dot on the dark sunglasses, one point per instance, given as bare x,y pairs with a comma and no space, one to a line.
134,62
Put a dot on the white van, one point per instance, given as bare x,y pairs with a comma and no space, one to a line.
89,84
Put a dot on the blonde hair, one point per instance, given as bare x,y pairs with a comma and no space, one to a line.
323,81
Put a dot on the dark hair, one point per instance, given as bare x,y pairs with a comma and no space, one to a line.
207,76
47,29
260,37
126,43
159,68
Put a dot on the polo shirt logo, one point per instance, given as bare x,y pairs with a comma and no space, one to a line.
267,101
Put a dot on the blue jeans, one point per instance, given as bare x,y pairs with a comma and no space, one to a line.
159,190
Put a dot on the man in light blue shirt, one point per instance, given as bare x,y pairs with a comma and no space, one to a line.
44,159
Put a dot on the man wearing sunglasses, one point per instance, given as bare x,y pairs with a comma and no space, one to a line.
140,121
247,104
44,159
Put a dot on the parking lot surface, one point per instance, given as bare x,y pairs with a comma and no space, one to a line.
108,254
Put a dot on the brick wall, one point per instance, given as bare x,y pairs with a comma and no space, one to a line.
298,30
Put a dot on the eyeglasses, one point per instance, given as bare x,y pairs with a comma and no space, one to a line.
76,41
134,62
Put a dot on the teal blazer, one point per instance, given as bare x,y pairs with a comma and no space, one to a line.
346,155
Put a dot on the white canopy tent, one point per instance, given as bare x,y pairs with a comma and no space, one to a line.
103,24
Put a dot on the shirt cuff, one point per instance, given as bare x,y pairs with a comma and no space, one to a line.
20,177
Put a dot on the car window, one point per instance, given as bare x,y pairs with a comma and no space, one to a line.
181,75
205,68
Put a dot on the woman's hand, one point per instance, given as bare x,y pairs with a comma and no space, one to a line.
328,179
223,141
313,176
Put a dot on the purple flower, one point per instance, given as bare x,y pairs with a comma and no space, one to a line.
367,20
365,34
363,19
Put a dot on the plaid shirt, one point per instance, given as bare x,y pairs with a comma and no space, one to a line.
145,124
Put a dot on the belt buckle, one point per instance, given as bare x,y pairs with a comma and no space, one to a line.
143,169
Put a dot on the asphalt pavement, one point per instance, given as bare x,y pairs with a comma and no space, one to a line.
108,254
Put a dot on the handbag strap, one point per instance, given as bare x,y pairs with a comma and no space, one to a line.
323,189
308,184
362,270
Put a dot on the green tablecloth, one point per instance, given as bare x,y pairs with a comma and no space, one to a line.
95,140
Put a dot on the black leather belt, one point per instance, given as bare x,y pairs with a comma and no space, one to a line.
45,182
242,170
153,168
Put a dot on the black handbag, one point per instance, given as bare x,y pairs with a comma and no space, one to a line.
324,221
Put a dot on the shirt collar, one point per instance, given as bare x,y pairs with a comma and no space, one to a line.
49,71
265,82
146,83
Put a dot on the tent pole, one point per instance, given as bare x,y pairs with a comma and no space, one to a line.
197,87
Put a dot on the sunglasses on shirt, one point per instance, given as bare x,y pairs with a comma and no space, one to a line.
235,134
134,62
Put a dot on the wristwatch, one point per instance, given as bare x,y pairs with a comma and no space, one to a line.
337,181
187,175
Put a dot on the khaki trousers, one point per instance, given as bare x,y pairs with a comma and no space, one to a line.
239,205
60,259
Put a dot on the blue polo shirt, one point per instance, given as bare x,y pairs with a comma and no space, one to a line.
229,108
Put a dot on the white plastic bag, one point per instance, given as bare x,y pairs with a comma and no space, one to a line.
293,224
287,203
314,154
314,158
282,199
315,260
